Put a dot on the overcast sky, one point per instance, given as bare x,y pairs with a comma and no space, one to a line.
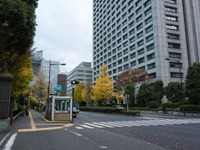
64,31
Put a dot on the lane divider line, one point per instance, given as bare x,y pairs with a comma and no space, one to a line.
32,121
10,142
39,129
4,139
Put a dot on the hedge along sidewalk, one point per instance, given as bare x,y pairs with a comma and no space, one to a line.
110,111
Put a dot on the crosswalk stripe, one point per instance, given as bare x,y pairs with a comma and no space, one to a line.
79,127
102,124
86,126
94,125
153,122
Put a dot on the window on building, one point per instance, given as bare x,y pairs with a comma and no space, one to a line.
132,39
151,66
140,34
171,9
133,55
149,38
174,55
132,47
172,27
174,45
149,29
176,75
140,43
171,1
171,18
150,47
133,63
150,56
141,60
125,58
139,26
141,51
148,11
173,36
132,32
175,65
126,66
148,20
152,75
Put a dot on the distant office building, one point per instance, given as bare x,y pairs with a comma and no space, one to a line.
143,33
51,68
62,81
36,61
82,73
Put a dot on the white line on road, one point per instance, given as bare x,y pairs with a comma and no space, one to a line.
77,134
86,126
94,125
103,147
83,116
4,139
10,142
79,128
99,115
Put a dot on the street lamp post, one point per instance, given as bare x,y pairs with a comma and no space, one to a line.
50,64
181,79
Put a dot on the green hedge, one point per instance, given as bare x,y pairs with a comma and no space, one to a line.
109,110
172,105
191,108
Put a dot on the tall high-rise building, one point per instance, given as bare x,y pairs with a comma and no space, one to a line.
143,33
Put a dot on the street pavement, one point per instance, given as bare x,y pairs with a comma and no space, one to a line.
102,131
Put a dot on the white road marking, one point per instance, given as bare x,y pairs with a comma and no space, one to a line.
94,125
103,147
79,127
77,134
99,115
4,139
102,124
153,122
10,142
83,125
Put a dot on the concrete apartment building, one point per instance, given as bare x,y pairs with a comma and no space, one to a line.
143,33
82,73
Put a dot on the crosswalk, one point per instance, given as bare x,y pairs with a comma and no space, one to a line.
137,123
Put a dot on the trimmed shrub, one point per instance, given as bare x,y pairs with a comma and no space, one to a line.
109,110
191,108
154,104
172,105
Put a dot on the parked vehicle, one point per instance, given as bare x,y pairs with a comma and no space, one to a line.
76,109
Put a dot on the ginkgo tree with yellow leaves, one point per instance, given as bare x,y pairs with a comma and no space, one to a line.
102,91
78,93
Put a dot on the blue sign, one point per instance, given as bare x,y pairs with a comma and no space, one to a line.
58,88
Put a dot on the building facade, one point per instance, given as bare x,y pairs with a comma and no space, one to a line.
143,33
51,70
36,61
82,73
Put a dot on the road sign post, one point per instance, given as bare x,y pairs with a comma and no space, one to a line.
127,102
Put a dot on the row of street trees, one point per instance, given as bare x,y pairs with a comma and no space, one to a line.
149,94
105,92
17,30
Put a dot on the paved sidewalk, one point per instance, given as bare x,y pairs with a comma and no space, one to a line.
33,122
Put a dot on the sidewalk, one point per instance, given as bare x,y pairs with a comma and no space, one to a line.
33,122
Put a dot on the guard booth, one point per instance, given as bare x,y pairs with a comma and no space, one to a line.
58,108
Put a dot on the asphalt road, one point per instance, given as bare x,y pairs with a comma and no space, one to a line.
95,131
